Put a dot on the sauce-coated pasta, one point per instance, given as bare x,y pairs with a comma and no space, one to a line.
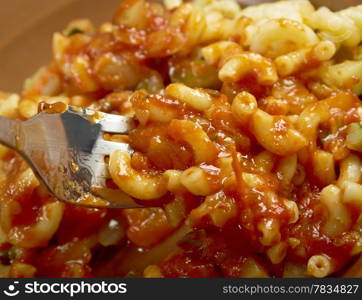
248,142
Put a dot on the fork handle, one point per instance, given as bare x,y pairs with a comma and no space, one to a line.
9,131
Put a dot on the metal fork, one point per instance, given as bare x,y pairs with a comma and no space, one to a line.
66,151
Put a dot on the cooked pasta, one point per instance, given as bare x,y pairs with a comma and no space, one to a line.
247,147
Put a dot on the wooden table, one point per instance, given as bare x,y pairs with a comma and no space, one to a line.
26,29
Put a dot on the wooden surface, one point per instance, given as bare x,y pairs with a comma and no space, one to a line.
18,15
26,28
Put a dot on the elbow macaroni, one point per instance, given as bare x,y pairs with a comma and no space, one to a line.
338,217
320,266
275,134
204,150
134,183
239,66
293,62
196,182
197,99
275,37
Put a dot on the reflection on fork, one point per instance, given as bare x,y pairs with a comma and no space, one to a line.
66,150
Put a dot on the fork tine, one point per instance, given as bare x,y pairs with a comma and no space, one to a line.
116,124
101,170
116,197
101,173
110,123
106,147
